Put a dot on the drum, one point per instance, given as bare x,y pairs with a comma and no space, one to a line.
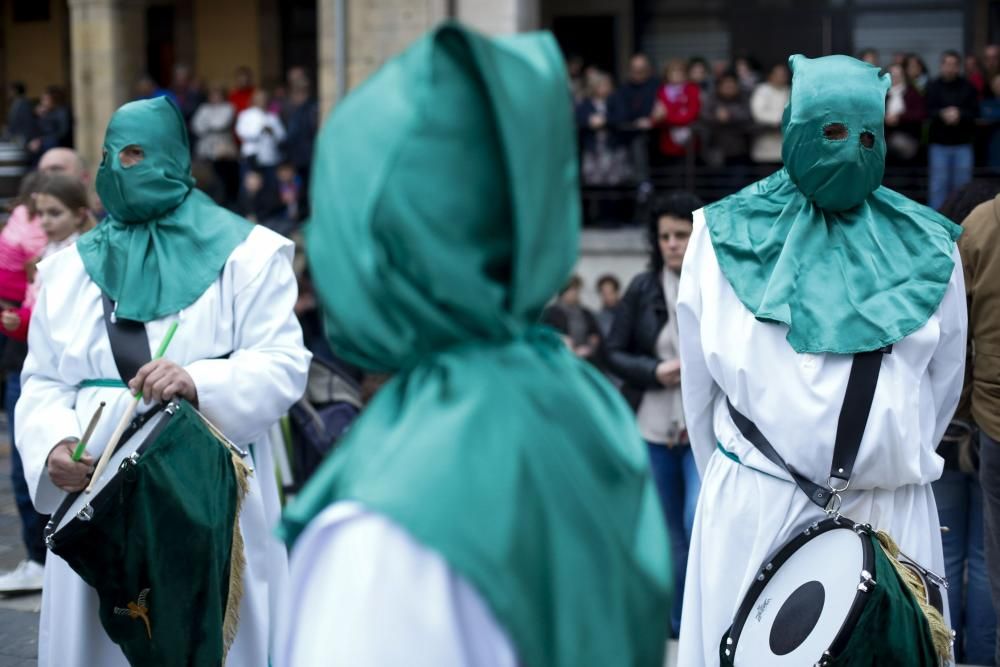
78,509
158,538
811,603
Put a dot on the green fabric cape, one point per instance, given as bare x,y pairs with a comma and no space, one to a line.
165,543
163,243
445,214
818,246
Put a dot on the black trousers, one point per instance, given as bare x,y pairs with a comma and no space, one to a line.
989,477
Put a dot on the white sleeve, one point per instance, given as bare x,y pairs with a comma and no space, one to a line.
698,387
45,412
363,593
758,105
947,366
247,126
266,372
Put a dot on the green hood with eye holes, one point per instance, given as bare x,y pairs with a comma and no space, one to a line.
820,246
164,242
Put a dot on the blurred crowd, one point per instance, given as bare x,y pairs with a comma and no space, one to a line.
727,114
251,146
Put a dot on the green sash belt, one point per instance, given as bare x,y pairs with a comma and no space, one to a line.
113,383
732,457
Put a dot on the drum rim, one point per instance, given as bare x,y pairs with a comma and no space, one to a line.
50,531
780,556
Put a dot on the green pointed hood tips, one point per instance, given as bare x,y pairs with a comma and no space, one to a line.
474,256
820,246
164,242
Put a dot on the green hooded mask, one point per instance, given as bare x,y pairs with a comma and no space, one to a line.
164,242
445,213
820,246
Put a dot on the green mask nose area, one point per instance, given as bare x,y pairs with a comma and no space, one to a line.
834,143
161,181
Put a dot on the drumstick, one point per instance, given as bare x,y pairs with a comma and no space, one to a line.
82,445
127,417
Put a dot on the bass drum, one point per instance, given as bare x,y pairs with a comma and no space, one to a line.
805,600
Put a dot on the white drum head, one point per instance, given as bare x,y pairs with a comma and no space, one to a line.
805,604
110,471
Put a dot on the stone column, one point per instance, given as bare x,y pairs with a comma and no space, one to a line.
499,17
108,47
375,30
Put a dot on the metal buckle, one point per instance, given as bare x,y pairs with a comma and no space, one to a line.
86,513
835,502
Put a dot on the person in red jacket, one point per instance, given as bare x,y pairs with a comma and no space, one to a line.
678,103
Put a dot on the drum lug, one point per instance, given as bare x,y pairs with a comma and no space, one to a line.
50,529
86,513
813,526
866,580
172,408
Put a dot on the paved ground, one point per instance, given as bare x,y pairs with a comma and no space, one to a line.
18,615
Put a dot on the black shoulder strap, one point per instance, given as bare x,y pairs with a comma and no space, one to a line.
129,342
854,412
850,428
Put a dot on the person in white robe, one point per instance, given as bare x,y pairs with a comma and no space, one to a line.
493,505
237,354
781,284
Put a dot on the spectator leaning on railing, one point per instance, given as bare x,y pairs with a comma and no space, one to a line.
767,104
905,112
952,105
678,103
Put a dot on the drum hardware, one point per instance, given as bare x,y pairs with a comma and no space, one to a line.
86,513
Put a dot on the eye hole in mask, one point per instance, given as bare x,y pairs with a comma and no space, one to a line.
835,132
867,139
131,155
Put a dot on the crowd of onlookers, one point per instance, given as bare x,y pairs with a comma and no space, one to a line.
728,114
252,147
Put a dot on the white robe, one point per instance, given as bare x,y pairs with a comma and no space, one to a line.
363,593
795,400
246,312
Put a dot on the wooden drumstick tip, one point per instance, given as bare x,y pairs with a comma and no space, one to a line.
112,443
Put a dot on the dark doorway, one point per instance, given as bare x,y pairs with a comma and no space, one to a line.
160,51
592,38
298,36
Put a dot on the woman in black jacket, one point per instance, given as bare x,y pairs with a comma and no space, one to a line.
642,349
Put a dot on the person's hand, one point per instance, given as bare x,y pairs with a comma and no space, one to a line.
722,115
163,380
34,145
11,320
892,120
597,121
951,115
67,474
644,123
668,373
659,112
583,351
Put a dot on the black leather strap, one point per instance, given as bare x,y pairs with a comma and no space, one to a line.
129,342
850,428
854,412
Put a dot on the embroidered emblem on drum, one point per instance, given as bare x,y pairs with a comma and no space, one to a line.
138,609
797,618
761,607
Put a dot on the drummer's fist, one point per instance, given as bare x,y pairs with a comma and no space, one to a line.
163,380
67,474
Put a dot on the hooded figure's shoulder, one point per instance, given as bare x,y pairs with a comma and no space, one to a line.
260,250
63,268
